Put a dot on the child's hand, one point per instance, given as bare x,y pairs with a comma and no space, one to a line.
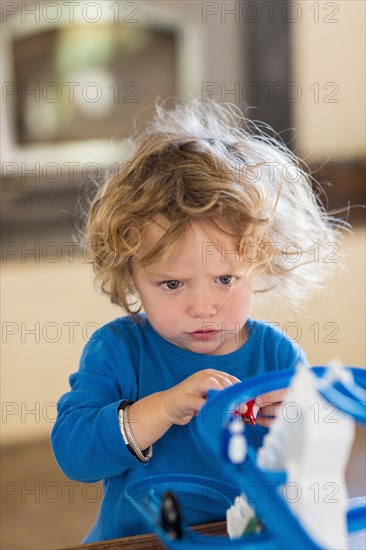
270,405
185,400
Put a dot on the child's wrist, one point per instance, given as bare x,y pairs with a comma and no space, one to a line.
128,435
149,420
165,397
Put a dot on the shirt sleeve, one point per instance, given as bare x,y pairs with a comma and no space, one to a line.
86,438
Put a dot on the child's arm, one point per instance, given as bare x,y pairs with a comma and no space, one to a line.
153,415
86,438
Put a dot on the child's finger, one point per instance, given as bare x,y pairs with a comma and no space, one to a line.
242,409
199,402
270,410
216,382
227,379
231,377
270,397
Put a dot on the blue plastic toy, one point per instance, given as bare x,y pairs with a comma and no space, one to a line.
282,530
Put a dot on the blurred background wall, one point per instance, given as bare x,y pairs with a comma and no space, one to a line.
72,80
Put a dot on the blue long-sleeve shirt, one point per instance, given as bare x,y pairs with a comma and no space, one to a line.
128,361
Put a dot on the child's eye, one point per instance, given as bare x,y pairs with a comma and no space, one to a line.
226,280
172,285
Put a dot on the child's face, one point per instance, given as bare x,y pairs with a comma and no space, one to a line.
196,289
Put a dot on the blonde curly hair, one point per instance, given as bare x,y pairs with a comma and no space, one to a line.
204,162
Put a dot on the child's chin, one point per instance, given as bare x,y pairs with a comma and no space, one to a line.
197,346
203,347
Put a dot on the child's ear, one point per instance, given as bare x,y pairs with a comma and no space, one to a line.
137,293
132,288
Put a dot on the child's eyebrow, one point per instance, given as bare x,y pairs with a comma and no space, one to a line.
162,276
173,277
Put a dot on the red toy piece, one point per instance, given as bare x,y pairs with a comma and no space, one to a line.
250,415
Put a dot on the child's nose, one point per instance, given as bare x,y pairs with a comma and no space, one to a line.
202,305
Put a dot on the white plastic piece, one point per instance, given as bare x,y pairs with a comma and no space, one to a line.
237,445
311,440
335,373
271,455
238,517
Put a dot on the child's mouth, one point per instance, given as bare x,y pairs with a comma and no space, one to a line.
199,334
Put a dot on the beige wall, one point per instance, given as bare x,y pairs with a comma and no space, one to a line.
55,295
328,53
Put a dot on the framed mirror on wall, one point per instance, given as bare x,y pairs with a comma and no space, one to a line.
71,92
70,86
